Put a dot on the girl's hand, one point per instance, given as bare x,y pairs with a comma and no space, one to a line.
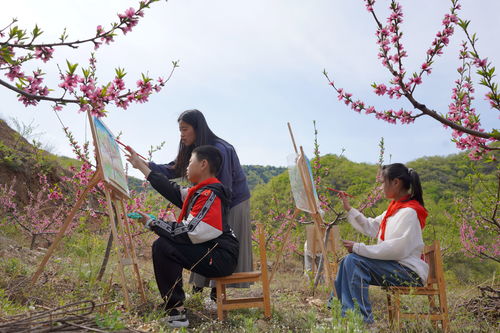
348,245
345,200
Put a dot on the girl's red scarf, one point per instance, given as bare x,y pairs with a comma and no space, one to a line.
191,192
394,206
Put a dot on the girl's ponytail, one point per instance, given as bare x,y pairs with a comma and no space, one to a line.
416,187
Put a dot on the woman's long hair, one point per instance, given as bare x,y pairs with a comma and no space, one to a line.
204,136
409,177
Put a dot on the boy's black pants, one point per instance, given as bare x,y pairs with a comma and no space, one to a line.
169,258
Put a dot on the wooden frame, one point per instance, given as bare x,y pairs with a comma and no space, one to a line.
435,286
115,197
224,303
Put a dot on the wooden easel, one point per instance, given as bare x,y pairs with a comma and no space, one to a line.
314,239
114,198
313,211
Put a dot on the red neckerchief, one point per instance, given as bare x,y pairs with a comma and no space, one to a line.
191,192
394,206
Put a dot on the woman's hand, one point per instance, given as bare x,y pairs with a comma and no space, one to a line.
137,162
345,201
133,157
348,245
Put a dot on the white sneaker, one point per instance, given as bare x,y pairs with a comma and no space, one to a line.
176,319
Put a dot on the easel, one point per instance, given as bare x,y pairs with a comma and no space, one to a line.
115,197
313,239
312,210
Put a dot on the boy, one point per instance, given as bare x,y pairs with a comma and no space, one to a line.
201,239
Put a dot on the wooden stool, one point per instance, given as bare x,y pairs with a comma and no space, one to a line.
435,286
224,304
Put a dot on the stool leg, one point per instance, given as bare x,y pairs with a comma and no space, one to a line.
220,312
224,299
433,310
390,308
267,297
397,304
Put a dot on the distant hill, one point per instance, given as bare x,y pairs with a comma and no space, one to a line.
19,158
258,174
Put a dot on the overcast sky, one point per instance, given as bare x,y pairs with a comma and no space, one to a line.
251,66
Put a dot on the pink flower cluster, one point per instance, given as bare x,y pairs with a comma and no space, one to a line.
70,81
33,85
479,238
44,53
460,111
130,18
390,116
14,73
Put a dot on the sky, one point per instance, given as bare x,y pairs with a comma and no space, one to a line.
253,66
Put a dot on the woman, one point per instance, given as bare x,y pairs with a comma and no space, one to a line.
396,258
194,133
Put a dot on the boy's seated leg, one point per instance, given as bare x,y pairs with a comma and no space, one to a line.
168,273
169,258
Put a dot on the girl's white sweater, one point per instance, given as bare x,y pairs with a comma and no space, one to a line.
403,239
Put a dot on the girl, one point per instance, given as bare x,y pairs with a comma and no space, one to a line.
396,258
195,132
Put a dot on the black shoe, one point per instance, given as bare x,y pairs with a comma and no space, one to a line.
197,289
213,295
177,319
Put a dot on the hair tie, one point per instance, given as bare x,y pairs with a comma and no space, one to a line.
410,170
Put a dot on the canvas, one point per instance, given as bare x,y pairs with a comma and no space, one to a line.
109,157
297,185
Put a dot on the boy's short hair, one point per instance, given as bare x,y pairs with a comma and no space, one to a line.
212,155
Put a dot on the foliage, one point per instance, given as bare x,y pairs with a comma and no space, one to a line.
258,174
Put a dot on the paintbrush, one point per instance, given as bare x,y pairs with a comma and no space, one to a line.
334,190
128,148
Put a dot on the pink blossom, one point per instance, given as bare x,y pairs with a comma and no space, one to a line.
14,72
44,53
70,82
381,89
481,63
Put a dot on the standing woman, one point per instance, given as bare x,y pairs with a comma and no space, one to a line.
194,133
396,258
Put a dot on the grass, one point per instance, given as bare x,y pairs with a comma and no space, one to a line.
71,276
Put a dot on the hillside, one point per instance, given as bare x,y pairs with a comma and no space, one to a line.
20,160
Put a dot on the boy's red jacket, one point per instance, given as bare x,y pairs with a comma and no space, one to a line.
203,218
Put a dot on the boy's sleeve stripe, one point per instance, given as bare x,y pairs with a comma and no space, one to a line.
201,214
203,233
